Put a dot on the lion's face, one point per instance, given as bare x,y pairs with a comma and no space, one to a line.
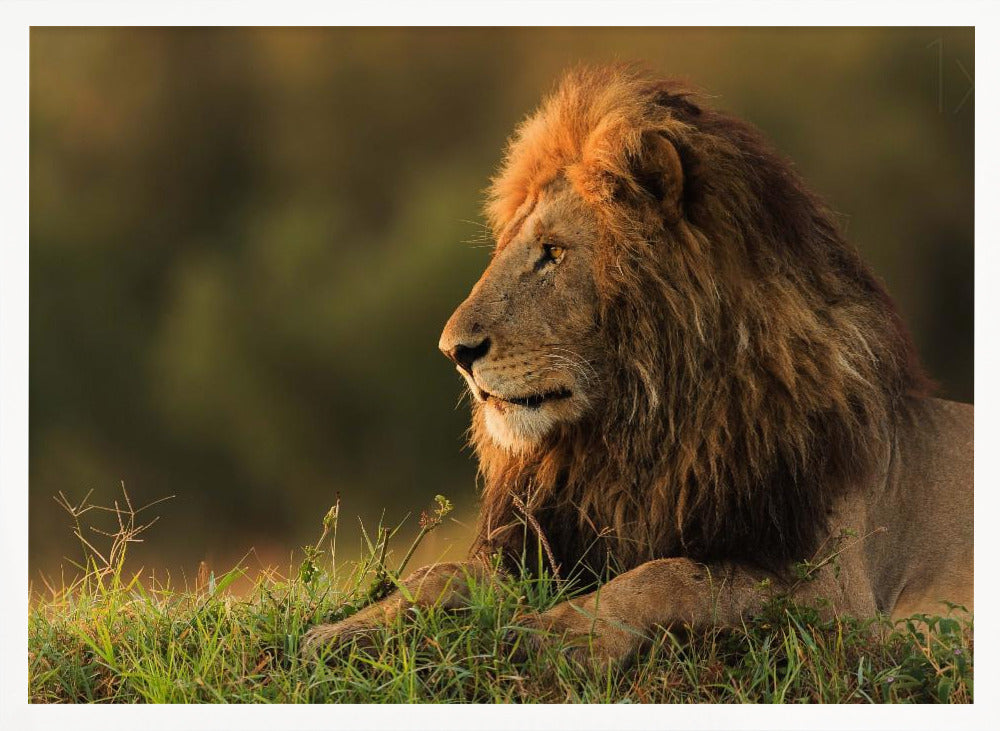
526,339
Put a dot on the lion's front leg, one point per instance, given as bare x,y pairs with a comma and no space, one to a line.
612,623
445,585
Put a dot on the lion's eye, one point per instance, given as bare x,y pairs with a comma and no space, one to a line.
553,252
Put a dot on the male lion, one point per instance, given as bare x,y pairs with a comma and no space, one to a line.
686,381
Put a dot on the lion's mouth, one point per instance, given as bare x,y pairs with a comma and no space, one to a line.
529,402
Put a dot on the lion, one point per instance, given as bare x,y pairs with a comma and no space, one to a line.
685,384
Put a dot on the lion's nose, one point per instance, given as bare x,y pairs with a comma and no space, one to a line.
466,355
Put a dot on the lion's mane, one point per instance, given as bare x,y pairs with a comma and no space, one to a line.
756,366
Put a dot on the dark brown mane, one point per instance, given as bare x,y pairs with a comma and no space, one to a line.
757,365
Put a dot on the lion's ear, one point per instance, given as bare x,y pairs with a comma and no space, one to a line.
659,172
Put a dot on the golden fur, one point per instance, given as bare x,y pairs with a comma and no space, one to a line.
773,361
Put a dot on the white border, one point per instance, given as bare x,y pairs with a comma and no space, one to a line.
16,18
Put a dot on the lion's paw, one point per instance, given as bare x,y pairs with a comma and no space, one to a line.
336,635
575,637
532,635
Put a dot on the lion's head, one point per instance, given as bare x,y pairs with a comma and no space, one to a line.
527,339
673,350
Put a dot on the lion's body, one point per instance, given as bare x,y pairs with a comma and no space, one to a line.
925,556
908,546
684,378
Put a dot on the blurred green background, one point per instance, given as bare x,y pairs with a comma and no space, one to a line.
244,243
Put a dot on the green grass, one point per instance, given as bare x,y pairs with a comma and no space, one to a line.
107,637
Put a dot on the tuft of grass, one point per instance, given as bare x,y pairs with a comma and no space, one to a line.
108,637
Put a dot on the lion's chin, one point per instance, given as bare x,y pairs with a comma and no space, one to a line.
517,428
